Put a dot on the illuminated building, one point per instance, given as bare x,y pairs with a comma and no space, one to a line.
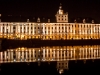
61,29
61,54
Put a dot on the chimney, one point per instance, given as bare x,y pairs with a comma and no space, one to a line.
92,21
27,20
84,21
49,20
38,20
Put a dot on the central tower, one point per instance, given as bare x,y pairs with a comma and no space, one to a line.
61,16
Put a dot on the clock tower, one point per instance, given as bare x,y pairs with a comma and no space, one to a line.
61,16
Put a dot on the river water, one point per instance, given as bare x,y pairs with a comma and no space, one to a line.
51,60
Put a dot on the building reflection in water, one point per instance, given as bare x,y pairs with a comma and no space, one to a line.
61,54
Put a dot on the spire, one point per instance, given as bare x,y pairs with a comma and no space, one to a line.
60,7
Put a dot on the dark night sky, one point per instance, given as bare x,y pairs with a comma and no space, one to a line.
48,8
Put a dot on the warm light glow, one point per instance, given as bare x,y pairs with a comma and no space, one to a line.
48,31
23,48
18,48
60,54
51,31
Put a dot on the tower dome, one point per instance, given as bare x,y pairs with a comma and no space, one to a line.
60,7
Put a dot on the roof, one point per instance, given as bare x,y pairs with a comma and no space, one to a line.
10,18
19,18
80,20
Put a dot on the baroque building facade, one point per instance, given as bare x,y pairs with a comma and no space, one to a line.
61,29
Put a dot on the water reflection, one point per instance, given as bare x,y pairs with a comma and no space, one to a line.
61,54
